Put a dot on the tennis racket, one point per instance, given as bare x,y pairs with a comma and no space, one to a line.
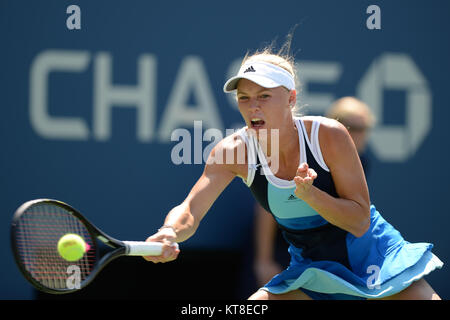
36,228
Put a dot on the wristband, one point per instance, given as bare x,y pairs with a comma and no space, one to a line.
168,226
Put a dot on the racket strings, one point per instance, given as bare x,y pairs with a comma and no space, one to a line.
37,234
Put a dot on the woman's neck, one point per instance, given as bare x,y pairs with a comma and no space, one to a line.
281,148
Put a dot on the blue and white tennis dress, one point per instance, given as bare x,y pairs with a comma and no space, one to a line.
328,262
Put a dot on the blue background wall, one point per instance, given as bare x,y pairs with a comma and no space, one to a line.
126,183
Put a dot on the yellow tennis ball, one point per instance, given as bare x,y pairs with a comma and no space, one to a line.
71,247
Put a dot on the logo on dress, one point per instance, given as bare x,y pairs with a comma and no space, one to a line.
254,166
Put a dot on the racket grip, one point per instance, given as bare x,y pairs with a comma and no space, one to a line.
143,248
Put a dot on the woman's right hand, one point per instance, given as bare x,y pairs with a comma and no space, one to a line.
166,236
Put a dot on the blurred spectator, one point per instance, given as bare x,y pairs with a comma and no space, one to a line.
358,118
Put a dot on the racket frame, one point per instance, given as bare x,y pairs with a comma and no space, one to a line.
118,247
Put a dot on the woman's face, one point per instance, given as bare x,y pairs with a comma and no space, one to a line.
264,108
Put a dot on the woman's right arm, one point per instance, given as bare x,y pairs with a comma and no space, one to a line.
183,220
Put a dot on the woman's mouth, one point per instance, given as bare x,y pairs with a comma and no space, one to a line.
257,123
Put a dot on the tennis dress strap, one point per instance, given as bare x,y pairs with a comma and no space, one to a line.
313,141
252,160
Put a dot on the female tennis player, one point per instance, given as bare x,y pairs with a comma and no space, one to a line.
270,248
314,186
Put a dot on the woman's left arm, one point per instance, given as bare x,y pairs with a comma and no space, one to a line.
351,211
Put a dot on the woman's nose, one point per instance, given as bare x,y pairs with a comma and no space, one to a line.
254,104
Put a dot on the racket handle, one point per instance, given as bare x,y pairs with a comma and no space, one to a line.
143,248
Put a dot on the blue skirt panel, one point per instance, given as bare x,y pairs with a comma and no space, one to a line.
382,264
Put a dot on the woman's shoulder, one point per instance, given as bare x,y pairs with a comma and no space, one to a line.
318,119
328,123
233,144
235,140
333,136
326,127
230,154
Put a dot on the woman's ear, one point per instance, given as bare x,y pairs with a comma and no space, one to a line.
293,98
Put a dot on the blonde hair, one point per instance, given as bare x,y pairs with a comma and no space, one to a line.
344,107
282,58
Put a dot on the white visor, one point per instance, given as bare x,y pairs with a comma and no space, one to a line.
265,74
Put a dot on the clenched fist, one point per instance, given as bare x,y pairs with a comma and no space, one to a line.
304,179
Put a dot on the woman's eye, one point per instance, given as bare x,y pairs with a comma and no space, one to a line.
242,98
264,96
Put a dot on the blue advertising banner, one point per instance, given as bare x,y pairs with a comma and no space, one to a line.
106,105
